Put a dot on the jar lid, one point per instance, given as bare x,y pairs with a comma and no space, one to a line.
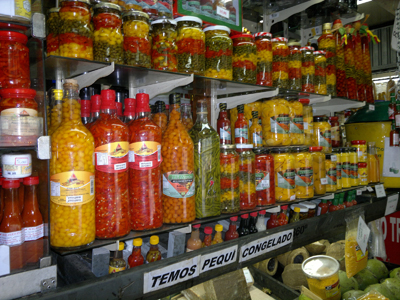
17,93
190,19
362,165
320,119
307,48
196,226
245,216
233,219
296,209
162,21
263,34
302,208
244,146
208,230
319,52
154,239
83,1
135,13
137,242
358,142
228,146
280,150
258,150
254,214
320,266
309,204
300,149
244,35
217,27
107,5
280,39
9,183
19,37
304,101
32,180
315,149
294,44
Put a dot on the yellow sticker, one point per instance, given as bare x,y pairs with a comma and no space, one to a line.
144,155
115,270
112,157
360,256
332,290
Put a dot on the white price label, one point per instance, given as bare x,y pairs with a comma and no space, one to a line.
218,259
330,197
333,158
102,159
324,181
380,191
318,30
370,189
274,15
359,192
371,107
391,204
223,12
362,235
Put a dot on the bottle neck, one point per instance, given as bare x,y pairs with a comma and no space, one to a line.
137,250
202,117
31,202
244,222
274,217
108,111
143,114
240,115
71,93
11,201
153,247
174,107
195,234
223,114
217,235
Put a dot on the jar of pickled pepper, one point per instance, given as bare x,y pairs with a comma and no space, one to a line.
76,35
358,61
247,175
108,40
335,131
365,39
285,172
72,197
350,66
137,44
265,177
244,60
264,58
307,69
160,117
327,43
14,60
322,133
346,167
340,61
319,170
191,45
294,66
320,73
296,120
164,49
219,48
304,179
331,173
361,147
308,121
229,164
280,64
53,28
132,5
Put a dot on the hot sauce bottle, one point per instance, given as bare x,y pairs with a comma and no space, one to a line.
217,237
252,223
244,225
130,110
85,111
207,238
154,253
224,125
117,263
111,177
282,218
136,258
194,242
323,207
232,233
145,168
273,221
241,127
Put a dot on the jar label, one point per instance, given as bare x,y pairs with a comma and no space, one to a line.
332,290
115,270
20,126
397,118
262,180
178,184
112,157
346,169
308,125
331,176
391,113
225,134
297,124
34,233
19,112
257,138
72,188
12,238
304,177
324,138
241,133
338,170
281,124
20,167
335,133
286,179
354,171
144,155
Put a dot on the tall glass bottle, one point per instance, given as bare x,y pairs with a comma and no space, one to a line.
95,109
85,112
72,197
56,110
207,165
187,119
224,125
145,168
255,132
244,225
160,117
130,110
241,127
111,163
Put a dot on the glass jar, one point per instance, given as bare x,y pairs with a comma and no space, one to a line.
340,61
353,166
150,7
319,170
331,173
247,175
303,211
14,60
349,60
280,64
218,52
365,39
303,164
320,73
187,119
307,69
346,167
160,117
294,66
244,60
335,131
132,5
164,49
265,177
53,27
337,158
312,208
327,43
191,45
275,120
229,162
264,58
296,120
255,131
137,45
308,121
361,147
362,173
284,169
322,133
374,170
76,34
358,61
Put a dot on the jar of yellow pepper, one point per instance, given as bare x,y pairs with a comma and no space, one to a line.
308,121
297,136
336,158
229,162
346,167
284,168
244,59
320,73
264,58
322,133
319,170
331,173
303,163
280,64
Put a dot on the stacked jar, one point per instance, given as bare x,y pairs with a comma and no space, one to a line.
318,158
218,52
229,162
331,172
308,121
346,167
336,157
353,166
327,43
244,60
366,58
76,35
307,69
265,177
164,49
280,65
53,28
247,183
284,168
304,173
340,60
358,62
361,147
349,59
294,66
335,131
320,73
322,133
264,58
297,136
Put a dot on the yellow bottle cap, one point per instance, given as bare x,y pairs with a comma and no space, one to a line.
154,240
137,242
121,246
219,227
297,209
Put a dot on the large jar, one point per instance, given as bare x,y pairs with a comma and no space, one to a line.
335,131
294,66
354,180
14,60
361,147
264,58
247,175
53,27
350,66
365,39
280,65
137,45
255,131
307,69
244,60
275,119
296,120
327,43
285,174
320,73
358,62
191,45
265,177
346,167
308,121
304,179
322,133
340,61
76,35
319,170
164,49
108,40
337,159
229,162
331,173
219,48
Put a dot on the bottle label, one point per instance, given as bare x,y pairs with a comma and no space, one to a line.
257,138
72,188
144,155
178,184
115,270
338,170
241,133
319,209
391,113
280,124
354,171
304,177
397,118
112,157
359,254
19,121
331,176
335,133
19,112
34,233
395,139
308,125
297,124
262,180
225,134
332,290
12,238
286,179
324,138
346,169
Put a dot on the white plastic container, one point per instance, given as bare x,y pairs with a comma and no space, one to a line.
16,165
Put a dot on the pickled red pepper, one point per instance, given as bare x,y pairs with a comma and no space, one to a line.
244,60
164,49
294,66
111,175
327,43
53,28
264,58
358,59
265,177
366,58
247,170
145,169
340,61
307,69
320,85
280,66
350,64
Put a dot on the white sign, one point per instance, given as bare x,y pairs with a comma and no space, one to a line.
324,181
380,191
391,204
391,163
266,244
218,259
359,192
362,234
330,197
274,15
370,189
371,107
222,12
171,275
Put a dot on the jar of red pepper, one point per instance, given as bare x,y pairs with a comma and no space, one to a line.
53,27
335,131
265,178
164,48
307,69
280,65
264,58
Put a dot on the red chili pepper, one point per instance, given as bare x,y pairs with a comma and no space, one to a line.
192,46
136,44
106,20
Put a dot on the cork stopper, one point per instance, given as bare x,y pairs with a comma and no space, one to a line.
71,83
326,26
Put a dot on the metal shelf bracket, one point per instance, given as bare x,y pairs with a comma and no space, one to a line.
89,78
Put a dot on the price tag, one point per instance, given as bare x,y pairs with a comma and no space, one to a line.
223,12
333,158
362,235
318,30
274,15
380,191
359,192
324,181
391,204
370,189
371,107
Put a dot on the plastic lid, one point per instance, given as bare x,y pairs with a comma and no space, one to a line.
296,209
154,240
304,101
32,180
307,48
362,165
223,106
190,19
245,216
233,219
10,183
320,118
121,246
142,102
13,35
119,109
244,146
308,204
161,21
280,39
315,149
299,206
260,34
217,27
137,242
284,207
17,93
358,142
244,35
320,266
254,214
135,13
85,108
262,212
219,227
300,149
319,52
208,230
108,99
196,226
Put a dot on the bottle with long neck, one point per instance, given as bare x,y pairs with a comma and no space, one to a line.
224,125
241,127
95,108
56,110
85,112
244,225
252,223
130,110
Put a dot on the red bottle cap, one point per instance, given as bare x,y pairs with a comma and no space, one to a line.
208,230
262,212
119,109
96,103
10,183
254,214
196,226
142,102
304,101
358,142
85,108
337,21
33,180
1,180
285,207
245,216
362,165
13,36
233,219
17,93
316,149
130,104
333,118
108,99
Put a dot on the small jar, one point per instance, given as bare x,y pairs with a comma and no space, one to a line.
312,208
308,121
331,173
16,166
218,52
137,44
53,27
303,211
244,60
191,45
337,158
353,166
320,73
335,131
164,49
361,147
265,177
346,167
307,69
229,162
322,133
297,136
264,58
284,169
247,175
304,179
319,170
280,64
363,173
294,66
